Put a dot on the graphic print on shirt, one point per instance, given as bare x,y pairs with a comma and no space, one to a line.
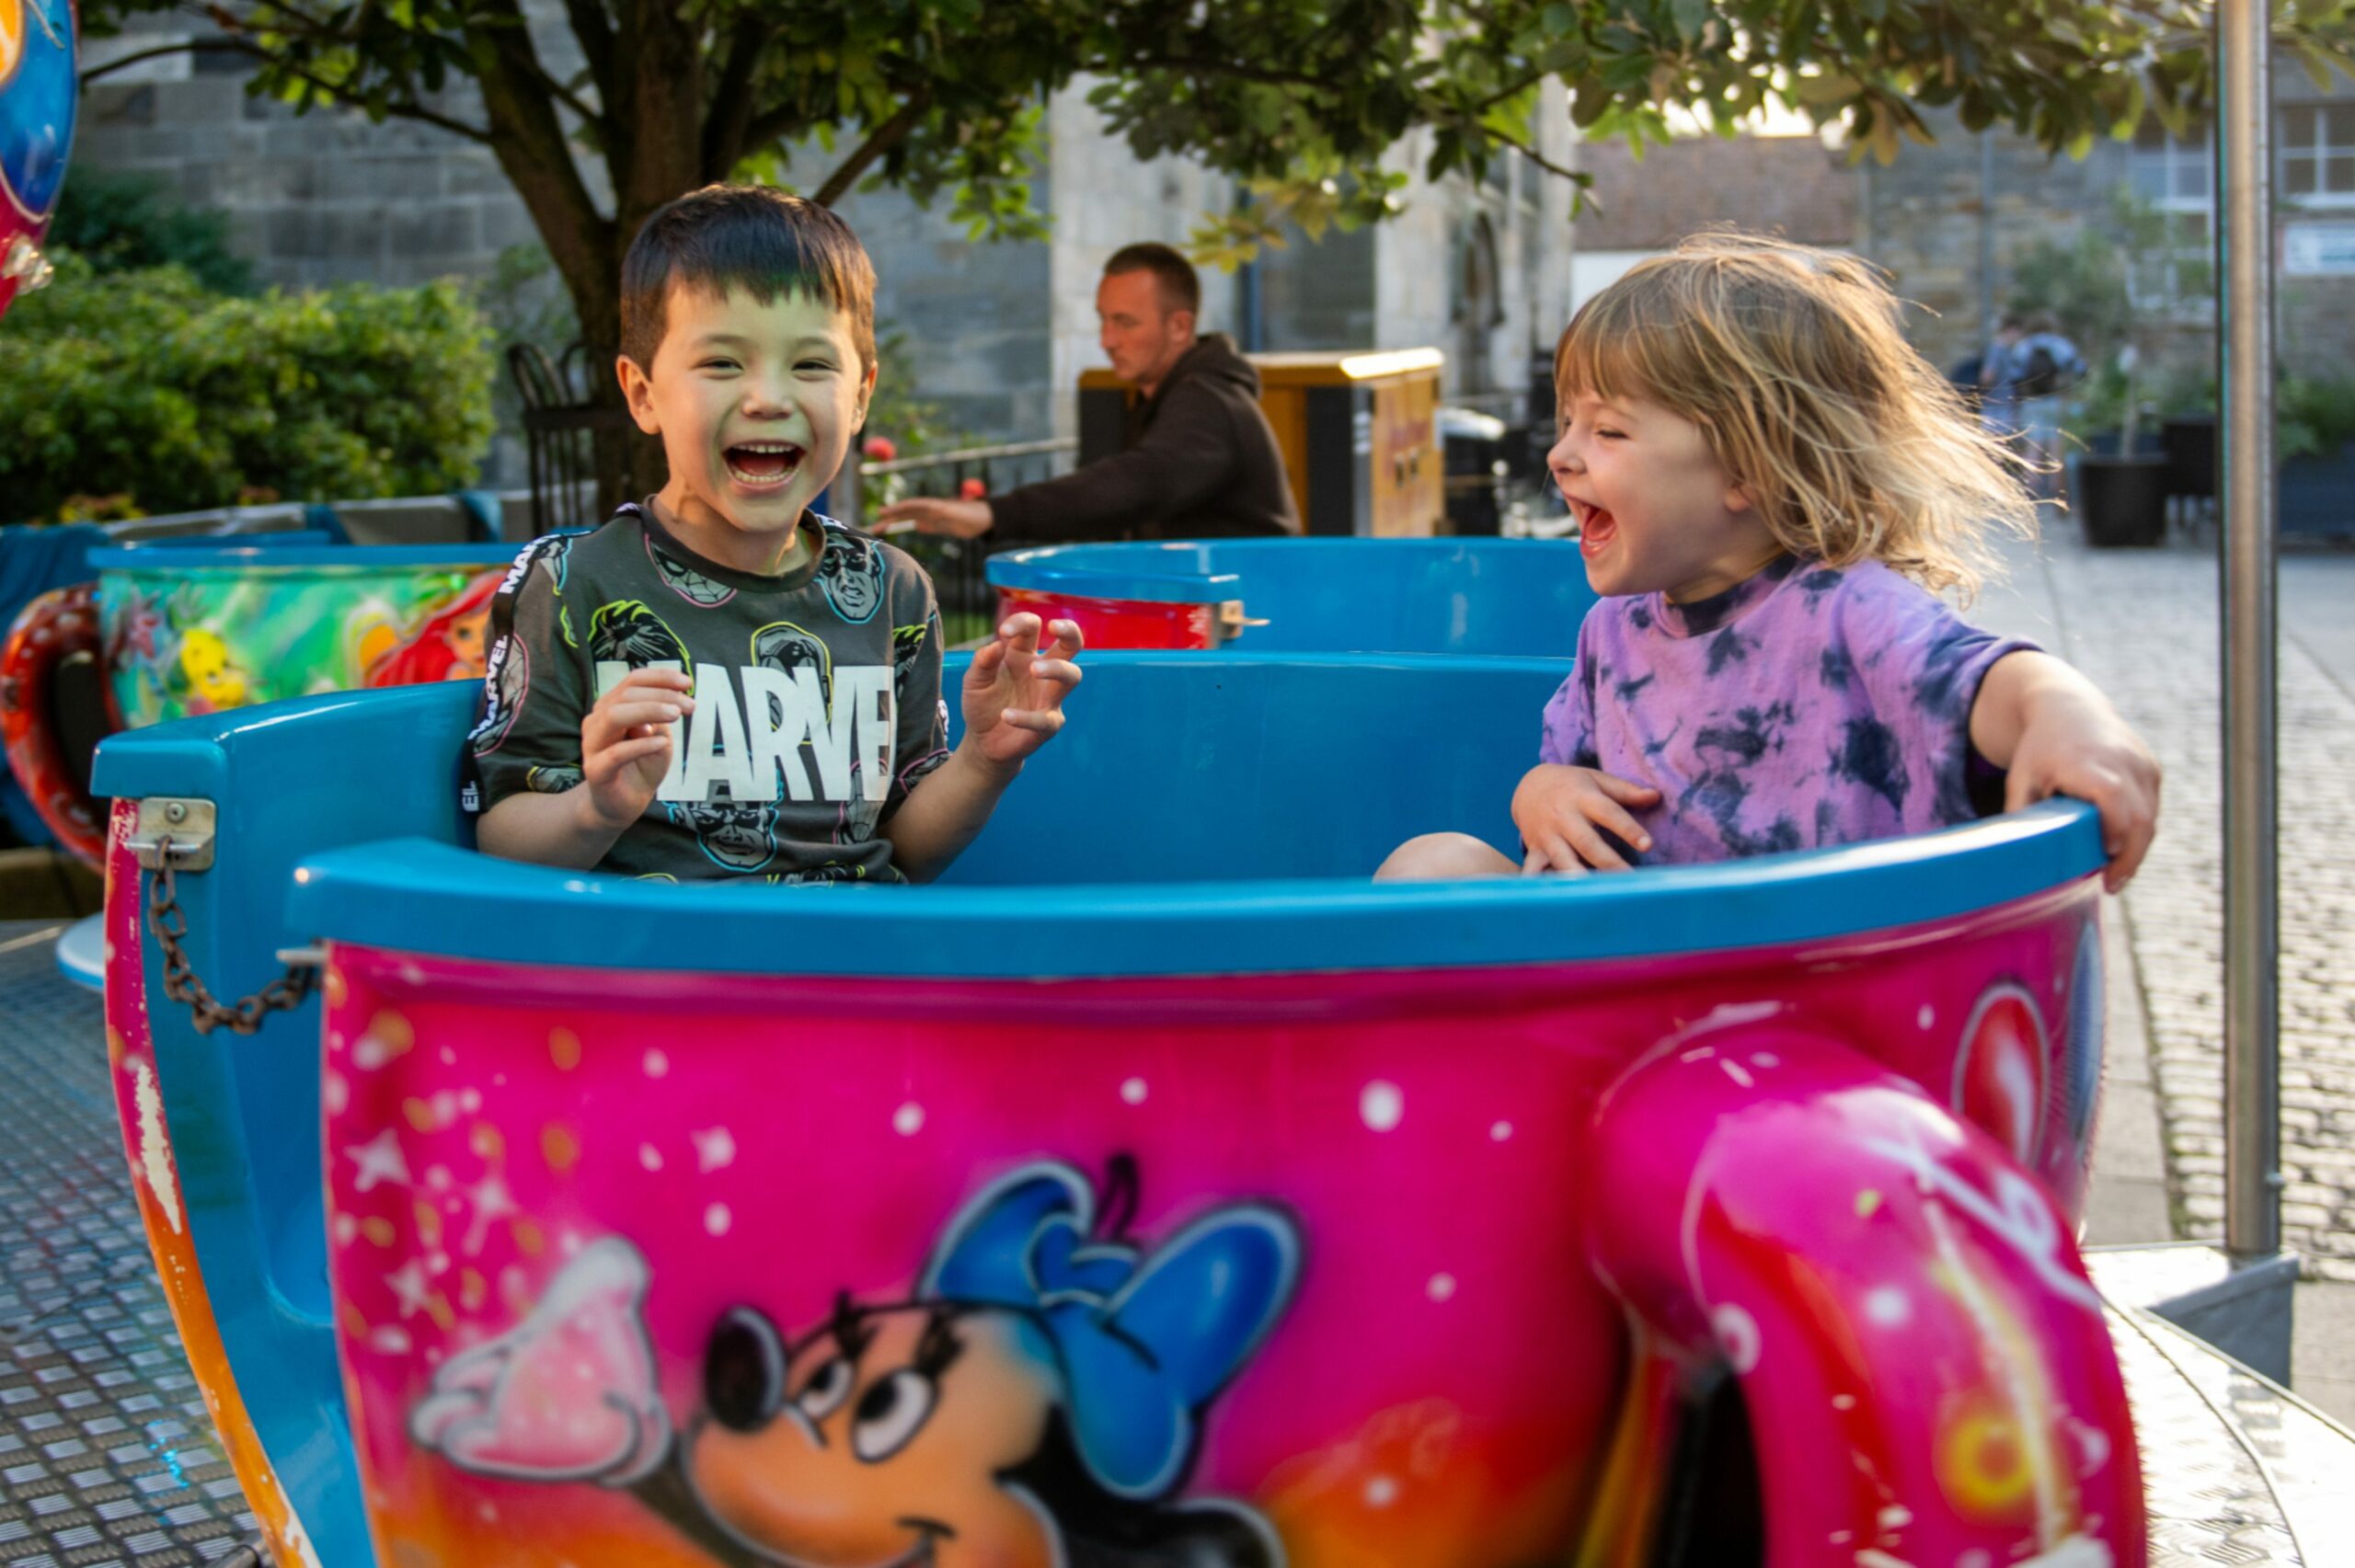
907,646
768,733
507,665
850,569
737,835
861,814
507,675
783,645
626,633
686,581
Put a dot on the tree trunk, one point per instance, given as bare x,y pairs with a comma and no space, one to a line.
655,88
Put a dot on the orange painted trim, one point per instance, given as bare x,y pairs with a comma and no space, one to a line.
154,1178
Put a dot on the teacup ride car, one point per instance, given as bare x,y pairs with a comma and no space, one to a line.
1517,598
175,627
1152,1189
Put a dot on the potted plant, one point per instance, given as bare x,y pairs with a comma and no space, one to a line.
2315,440
2120,302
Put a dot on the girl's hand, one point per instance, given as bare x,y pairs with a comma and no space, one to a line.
1014,690
2080,748
625,742
1559,810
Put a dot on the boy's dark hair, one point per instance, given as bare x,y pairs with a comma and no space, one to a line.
749,237
1181,287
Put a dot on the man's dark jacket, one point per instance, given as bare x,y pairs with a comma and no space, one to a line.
1199,462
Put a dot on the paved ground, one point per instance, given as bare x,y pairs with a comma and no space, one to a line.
2143,625
107,1455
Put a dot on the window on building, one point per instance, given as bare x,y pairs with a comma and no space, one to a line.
2172,173
2318,154
2176,176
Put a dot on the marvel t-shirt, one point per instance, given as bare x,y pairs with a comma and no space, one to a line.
1808,706
817,696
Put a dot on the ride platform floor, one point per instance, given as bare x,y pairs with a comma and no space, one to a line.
108,1457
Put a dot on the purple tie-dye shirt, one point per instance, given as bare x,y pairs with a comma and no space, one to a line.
1809,706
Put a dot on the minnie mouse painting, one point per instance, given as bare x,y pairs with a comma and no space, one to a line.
1036,1401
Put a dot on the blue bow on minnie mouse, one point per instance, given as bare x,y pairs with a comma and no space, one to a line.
1141,1343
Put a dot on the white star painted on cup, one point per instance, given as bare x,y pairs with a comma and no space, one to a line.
492,1203
380,1159
409,1286
714,1148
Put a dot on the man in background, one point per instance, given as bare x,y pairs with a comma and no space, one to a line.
1198,458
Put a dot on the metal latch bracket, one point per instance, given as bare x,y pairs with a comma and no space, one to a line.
188,823
1232,622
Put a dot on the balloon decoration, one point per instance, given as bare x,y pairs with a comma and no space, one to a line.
37,92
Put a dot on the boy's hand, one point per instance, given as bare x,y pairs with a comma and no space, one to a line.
625,742
1014,690
2075,744
1559,808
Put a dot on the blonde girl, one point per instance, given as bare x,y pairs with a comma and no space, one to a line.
1773,490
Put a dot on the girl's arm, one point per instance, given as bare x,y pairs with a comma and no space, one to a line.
2053,733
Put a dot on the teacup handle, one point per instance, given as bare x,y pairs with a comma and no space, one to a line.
55,626
1926,1370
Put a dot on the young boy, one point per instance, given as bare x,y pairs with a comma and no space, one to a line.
718,683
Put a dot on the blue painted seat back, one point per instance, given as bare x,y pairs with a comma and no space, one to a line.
1510,597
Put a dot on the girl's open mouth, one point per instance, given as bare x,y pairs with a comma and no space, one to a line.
1597,528
763,465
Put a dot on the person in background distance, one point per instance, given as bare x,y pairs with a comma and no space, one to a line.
1199,460
2044,366
1999,399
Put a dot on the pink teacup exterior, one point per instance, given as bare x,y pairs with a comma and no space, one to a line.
1369,1268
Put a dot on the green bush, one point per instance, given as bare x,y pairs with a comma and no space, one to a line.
124,222
2314,416
143,383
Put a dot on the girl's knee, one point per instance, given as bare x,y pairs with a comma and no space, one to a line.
1435,857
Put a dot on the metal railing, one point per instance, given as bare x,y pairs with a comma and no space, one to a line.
967,604
561,421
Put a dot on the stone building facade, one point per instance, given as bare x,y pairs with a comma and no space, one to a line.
1933,214
1789,186
1001,331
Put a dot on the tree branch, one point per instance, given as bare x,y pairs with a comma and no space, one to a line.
405,109
1198,67
1520,86
596,35
523,115
731,101
194,46
526,59
880,141
1543,162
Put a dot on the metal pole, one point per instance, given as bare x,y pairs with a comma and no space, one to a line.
2252,951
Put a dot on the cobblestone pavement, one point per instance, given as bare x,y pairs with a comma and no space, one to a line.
2143,625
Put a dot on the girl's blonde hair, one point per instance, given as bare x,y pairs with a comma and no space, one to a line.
1849,444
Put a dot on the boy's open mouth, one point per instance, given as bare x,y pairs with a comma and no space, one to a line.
763,464
1597,527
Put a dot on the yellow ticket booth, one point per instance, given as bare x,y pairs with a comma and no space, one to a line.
1358,431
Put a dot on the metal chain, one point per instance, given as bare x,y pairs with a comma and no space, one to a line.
168,922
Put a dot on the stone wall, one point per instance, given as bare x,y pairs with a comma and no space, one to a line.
1921,217
1793,186
1000,332
319,199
